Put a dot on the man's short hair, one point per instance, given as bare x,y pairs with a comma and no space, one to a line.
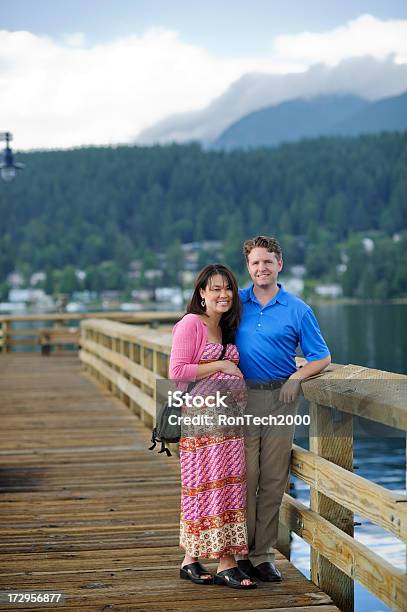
264,242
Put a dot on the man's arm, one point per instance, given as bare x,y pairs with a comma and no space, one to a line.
311,368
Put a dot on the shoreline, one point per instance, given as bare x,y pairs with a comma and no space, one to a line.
346,301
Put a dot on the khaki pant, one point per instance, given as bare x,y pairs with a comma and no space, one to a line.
268,457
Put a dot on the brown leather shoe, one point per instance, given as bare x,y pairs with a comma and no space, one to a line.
267,572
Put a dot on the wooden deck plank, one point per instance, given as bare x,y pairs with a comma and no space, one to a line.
86,510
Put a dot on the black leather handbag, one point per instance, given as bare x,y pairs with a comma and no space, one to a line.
165,432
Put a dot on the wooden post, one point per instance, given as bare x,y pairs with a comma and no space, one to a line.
144,416
124,398
132,356
155,370
6,334
331,437
283,543
57,324
116,349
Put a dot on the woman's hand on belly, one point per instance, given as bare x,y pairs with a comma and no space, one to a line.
229,367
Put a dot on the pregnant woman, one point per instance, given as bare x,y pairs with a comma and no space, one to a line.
212,458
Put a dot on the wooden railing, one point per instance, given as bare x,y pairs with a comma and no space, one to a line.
336,493
130,361
39,331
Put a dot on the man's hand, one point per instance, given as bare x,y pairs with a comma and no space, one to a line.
290,390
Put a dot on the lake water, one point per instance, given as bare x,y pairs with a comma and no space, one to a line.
373,335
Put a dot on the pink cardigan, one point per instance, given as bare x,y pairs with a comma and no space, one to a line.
188,342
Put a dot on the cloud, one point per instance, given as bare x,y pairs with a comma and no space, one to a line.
365,77
75,39
363,36
62,93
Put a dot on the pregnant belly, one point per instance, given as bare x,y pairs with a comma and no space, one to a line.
222,383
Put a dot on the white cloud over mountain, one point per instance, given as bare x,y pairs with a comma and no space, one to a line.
365,76
61,93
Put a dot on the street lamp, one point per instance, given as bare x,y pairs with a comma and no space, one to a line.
8,167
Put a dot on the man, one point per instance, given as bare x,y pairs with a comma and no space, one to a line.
274,322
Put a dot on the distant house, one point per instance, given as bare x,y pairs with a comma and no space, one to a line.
12,307
80,274
15,279
36,278
130,306
110,294
135,274
203,245
172,295
298,271
153,274
368,245
135,268
136,264
25,295
192,251
84,296
191,261
75,307
293,285
142,295
37,297
187,277
329,291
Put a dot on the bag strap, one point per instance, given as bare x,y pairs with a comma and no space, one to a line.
223,353
221,357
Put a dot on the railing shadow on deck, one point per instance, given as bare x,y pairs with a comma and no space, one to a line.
129,361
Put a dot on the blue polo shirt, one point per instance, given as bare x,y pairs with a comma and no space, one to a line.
268,335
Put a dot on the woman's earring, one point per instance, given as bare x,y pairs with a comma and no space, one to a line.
203,303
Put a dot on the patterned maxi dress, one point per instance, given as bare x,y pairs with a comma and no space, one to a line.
213,470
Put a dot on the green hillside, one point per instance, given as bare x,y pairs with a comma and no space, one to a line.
92,205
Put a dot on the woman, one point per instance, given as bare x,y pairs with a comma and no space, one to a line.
213,471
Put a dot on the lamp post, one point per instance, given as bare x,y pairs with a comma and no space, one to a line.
8,167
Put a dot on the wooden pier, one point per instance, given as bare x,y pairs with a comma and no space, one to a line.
86,510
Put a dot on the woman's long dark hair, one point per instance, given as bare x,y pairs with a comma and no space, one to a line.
230,319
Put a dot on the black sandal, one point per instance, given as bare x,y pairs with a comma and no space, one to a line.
193,572
233,578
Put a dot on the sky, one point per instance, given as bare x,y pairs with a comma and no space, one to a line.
103,71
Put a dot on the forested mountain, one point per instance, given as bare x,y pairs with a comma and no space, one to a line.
389,114
87,206
321,116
